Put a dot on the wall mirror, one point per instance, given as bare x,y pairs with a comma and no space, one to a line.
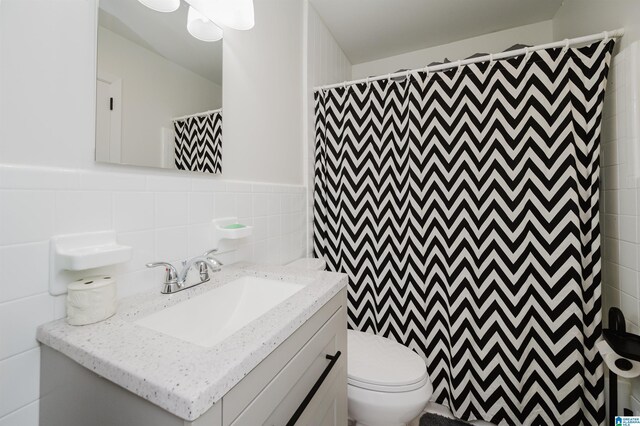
159,90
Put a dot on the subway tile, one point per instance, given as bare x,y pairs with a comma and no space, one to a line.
109,181
133,211
260,205
628,281
199,239
261,252
171,244
628,255
170,209
611,250
25,216
612,295
207,184
260,228
25,270
200,207
28,415
59,307
244,253
143,245
629,307
611,201
18,322
610,177
609,154
140,281
225,205
19,381
234,186
38,178
274,205
82,211
244,205
274,226
627,201
164,183
611,226
259,188
627,228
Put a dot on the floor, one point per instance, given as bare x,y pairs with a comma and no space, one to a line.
441,410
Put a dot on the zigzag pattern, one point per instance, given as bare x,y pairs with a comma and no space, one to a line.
198,143
463,205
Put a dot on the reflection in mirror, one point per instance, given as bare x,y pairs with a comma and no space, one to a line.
159,90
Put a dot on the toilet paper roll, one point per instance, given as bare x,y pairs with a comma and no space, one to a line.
610,357
90,300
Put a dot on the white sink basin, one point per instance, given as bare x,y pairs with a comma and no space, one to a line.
210,317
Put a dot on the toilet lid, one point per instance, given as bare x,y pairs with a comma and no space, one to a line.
375,362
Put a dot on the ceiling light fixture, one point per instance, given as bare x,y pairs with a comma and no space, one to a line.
235,14
202,28
205,17
162,5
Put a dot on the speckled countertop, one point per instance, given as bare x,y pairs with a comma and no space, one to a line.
183,378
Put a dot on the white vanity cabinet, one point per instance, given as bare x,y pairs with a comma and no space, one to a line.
297,383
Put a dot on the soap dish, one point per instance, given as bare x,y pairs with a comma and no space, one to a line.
228,228
79,252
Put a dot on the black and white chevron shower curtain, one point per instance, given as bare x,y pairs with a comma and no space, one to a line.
463,205
198,143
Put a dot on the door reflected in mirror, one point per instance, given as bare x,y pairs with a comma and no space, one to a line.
158,90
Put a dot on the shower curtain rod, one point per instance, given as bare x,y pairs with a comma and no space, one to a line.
491,57
199,114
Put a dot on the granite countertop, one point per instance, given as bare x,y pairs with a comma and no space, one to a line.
183,378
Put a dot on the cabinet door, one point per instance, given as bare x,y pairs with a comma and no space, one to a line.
277,402
329,405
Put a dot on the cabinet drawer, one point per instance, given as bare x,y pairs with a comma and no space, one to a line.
280,398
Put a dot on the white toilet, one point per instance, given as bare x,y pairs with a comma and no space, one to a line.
388,384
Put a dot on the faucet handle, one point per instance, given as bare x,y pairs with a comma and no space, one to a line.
171,276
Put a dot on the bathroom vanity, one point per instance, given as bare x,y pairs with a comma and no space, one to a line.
287,366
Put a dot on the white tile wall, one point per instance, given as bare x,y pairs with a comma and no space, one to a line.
620,195
163,217
326,64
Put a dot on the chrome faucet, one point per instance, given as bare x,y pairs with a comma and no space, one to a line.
174,281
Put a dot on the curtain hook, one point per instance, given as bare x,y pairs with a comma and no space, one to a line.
389,77
606,36
459,65
426,69
566,44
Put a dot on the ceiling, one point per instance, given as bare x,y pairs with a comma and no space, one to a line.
374,29
163,33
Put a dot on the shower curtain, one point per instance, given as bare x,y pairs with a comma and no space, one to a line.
463,205
198,143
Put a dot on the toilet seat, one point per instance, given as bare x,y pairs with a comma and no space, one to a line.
380,364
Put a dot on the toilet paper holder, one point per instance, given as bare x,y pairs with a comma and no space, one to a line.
625,345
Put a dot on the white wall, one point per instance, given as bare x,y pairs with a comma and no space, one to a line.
262,96
49,183
326,63
532,34
582,17
150,99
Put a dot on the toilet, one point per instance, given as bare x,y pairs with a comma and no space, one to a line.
388,384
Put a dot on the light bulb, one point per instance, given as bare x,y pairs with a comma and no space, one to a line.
202,28
162,5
